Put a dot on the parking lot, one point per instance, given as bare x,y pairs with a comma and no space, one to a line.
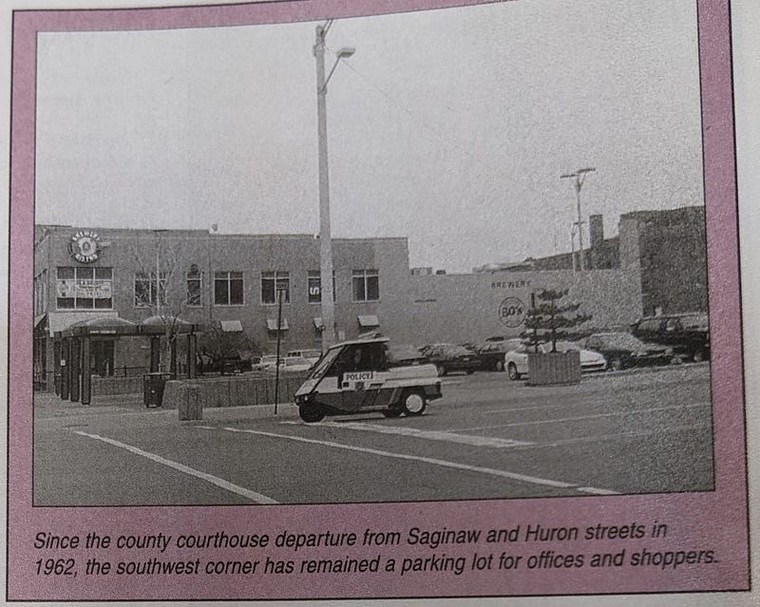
639,431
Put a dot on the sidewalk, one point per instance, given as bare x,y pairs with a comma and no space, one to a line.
48,405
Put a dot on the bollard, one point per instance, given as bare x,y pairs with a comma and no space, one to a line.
190,405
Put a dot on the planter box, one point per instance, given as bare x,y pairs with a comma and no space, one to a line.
554,368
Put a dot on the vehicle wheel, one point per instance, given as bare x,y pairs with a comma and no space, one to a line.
414,403
395,412
469,372
616,364
512,372
441,370
499,365
311,413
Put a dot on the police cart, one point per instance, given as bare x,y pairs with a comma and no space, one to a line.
359,376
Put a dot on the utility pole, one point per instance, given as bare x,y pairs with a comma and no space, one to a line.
578,178
325,238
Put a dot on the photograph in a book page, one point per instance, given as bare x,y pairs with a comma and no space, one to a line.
431,298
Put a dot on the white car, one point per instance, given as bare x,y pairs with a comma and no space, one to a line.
269,362
516,361
296,364
311,355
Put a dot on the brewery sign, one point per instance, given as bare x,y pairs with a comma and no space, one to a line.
85,246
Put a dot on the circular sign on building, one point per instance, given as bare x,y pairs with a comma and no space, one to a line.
85,246
512,312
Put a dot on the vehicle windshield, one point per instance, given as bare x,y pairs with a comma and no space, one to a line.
323,364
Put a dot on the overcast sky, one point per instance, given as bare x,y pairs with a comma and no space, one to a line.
451,127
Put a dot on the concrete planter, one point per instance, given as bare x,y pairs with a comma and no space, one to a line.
554,368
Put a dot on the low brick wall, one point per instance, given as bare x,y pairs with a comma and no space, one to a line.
234,391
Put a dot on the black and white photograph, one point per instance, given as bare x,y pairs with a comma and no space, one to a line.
507,200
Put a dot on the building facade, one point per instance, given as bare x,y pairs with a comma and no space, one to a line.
230,281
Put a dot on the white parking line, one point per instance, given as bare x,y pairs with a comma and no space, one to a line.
462,439
424,460
210,478
564,420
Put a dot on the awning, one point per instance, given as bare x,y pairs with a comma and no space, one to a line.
319,324
231,326
368,320
59,321
272,324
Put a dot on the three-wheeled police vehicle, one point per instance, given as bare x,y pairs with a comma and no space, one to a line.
359,376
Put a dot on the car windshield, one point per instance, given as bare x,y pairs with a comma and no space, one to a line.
323,364
616,340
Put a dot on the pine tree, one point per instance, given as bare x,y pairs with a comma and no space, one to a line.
549,321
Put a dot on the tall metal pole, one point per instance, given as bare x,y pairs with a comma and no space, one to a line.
578,178
577,187
277,360
325,239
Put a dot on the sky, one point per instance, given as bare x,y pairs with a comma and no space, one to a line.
450,127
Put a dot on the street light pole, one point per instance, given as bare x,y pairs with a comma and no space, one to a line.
325,238
578,178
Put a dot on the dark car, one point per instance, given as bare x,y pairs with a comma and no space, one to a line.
687,334
623,350
226,365
404,356
491,353
451,357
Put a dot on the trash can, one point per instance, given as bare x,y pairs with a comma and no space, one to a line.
153,388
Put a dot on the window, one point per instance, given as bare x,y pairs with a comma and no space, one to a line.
228,288
366,285
84,288
146,290
271,282
194,287
314,283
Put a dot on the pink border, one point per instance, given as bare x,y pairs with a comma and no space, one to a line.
716,520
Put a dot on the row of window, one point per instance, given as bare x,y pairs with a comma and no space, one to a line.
91,288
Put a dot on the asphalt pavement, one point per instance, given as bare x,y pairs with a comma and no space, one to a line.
641,431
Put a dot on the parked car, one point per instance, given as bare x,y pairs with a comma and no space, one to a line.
404,356
295,364
687,334
491,353
312,355
516,361
451,357
269,362
623,350
227,365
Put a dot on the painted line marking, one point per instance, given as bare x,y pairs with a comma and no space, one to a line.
604,437
210,478
581,417
450,437
420,459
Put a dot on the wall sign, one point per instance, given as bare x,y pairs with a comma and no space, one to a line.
512,312
85,246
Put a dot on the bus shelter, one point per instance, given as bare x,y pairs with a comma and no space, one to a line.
74,345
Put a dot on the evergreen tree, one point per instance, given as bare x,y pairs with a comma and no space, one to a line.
550,321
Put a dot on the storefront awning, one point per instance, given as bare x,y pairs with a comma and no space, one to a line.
231,326
368,320
272,324
60,321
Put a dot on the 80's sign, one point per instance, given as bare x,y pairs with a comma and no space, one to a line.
512,312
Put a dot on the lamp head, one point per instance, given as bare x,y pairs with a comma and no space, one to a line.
346,52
